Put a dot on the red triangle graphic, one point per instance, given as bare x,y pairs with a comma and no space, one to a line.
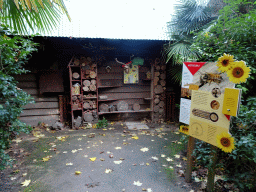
193,67
228,116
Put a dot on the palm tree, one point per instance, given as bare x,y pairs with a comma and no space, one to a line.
40,15
190,16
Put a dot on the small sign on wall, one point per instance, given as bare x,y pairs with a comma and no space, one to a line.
132,76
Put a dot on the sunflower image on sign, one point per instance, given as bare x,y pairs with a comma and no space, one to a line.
225,142
237,71
225,62
184,129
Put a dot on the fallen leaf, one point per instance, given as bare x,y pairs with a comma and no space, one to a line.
149,190
122,124
16,171
169,159
108,170
25,183
79,139
65,152
164,165
78,172
194,174
137,183
179,143
84,135
17,140
111,128
163,155
118,148
13,178
147,164
171,167
111,156
69,163
179,165
121,158
177,156
185,158
144,149
155,158
74,151
24,174
86,156
102,159
135,137
123,135
181,173
45,159
104,129
152,140
177,133
112,123
93,159
117,162
108,152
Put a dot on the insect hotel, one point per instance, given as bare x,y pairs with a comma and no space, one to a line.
82,80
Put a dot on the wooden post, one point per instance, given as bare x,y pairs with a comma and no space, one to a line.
61,108
188,174
211,170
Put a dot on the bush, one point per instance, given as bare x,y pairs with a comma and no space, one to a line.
14,53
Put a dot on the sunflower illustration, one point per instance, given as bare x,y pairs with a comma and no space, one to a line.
225,142
225,62
239,72
184,129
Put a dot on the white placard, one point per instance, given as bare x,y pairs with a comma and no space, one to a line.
185,105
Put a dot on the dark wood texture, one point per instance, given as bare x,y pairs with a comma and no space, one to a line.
51,81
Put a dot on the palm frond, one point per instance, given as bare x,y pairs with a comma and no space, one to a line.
42,15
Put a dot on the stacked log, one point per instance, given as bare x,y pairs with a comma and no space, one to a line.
159,90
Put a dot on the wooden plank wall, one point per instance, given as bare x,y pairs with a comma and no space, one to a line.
45,109
131,93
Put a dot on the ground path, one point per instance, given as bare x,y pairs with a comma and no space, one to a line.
66,152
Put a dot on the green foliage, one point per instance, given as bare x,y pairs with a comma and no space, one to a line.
14,53
102,123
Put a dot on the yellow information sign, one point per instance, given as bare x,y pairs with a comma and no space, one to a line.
231,101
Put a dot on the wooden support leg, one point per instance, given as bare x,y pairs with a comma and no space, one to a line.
211,170
188,174
61,108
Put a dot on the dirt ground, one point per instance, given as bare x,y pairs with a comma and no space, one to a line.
28,151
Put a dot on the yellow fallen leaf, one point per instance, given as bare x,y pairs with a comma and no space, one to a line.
171,167
111,128
135,137
108,170
118,148
17,140
94,126
93,159
25,183
112,123
102,159
177,133
77,172
184,158
69,163
144,149
122,124
45,159
79,139
162,155
177,156
169,159
74,151
147,164
117,162
24,174
179,165
179,143
104,129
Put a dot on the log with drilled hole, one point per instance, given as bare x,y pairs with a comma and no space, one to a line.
93,87
159,89
93,82
156,101
86,89
103,107
86,105
86,83
122,106
136,107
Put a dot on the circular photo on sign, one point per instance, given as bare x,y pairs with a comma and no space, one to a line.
214,117
215,105
216,92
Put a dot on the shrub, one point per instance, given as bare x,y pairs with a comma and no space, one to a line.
14,53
